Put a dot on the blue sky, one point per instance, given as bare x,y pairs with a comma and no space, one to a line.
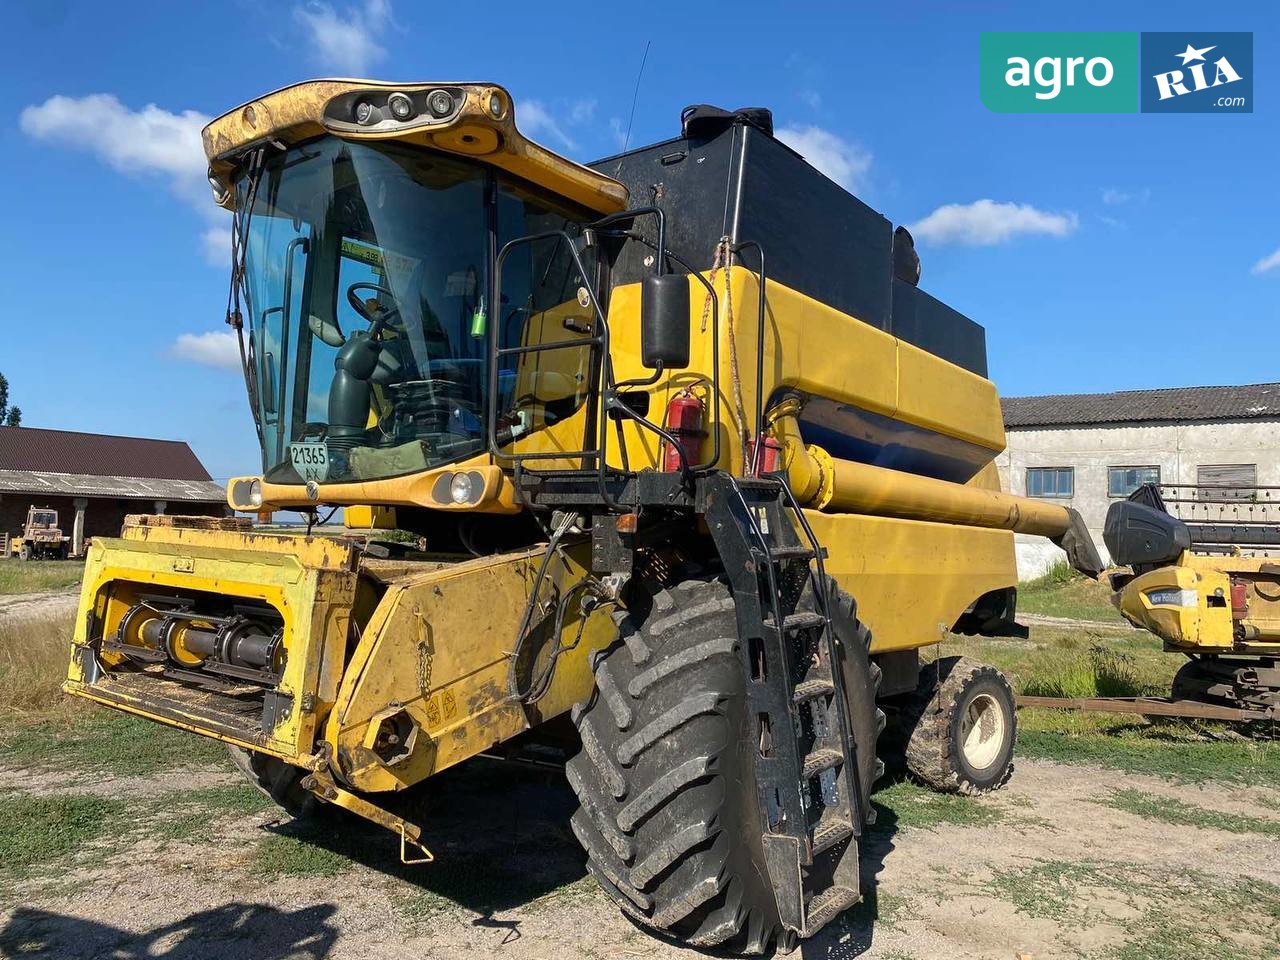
1112,251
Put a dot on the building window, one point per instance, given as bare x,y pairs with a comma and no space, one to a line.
1050,482
1122,481
1227,481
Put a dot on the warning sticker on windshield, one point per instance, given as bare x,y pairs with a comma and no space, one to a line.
310,461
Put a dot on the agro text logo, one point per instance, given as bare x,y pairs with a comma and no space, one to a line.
1200,73
1060,72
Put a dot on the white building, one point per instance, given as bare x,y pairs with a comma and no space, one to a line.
1198,443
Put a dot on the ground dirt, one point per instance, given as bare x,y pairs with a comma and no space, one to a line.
1043,868
34,605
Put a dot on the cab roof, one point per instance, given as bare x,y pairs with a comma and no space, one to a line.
479,122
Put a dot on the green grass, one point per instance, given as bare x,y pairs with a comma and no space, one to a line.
38,576
1073,661
913,806
1183,814
1104,671
1062,592
37,831
292,855
190,815
107,741
1180,751
1169,915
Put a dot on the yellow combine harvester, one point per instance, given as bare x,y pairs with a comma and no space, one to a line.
660,421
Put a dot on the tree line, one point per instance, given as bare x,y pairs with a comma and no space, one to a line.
10,416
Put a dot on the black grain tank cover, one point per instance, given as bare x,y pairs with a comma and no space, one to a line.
728,176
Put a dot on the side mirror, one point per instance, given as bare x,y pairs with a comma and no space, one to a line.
664,321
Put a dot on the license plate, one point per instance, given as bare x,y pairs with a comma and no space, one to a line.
310,461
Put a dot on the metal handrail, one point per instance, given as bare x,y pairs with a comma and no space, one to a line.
757,450
605,388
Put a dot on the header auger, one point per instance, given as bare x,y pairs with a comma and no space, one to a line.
699,465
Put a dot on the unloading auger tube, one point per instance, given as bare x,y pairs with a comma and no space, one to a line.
844,486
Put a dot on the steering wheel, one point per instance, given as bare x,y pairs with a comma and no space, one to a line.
384,315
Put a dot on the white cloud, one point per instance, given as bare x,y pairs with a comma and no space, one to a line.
535,119
345,39
985,223
582,111
151,141
1267,263
844,162
215,243
147,141
618,131
217,349
1113,197
813,98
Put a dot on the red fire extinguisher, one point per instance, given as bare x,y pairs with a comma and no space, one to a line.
684,423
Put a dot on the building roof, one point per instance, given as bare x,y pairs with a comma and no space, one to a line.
97,455
136,488
1254,401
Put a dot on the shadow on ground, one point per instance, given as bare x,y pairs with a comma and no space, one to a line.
499,833
233,931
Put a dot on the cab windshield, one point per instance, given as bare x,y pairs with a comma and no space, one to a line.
367,269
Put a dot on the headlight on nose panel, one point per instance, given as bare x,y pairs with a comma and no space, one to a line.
459,489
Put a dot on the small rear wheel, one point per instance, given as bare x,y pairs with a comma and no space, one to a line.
960,727
24,552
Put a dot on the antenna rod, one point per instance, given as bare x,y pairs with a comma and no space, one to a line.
635,95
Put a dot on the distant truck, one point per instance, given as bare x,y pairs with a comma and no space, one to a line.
41,538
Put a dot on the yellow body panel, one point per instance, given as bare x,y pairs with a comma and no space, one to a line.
1199,617
438,648
362,516
912,580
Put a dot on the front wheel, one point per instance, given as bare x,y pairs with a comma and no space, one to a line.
961,725
670,815
24,553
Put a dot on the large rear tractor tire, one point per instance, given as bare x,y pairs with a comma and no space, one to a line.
280,781
960,727
669,814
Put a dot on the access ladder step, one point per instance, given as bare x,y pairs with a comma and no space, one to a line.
797,621
788,552
826,905
819,761
827,835
812,689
